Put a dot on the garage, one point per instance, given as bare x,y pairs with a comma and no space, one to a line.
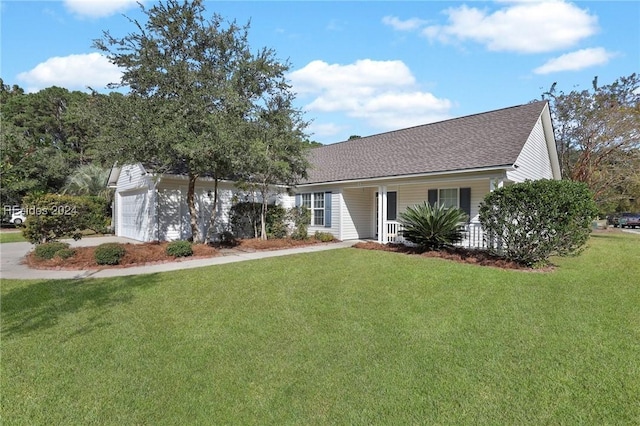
134,214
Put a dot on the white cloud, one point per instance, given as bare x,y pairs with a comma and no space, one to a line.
324,130
98,8
364,74
576,61
74,72
406,25
383,93
525,27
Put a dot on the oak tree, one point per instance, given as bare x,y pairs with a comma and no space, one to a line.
192,81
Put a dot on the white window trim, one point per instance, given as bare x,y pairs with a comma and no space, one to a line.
314,199
457,189
313,196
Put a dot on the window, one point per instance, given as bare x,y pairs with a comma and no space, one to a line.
306,201
452,197
319,204
318,208
448,197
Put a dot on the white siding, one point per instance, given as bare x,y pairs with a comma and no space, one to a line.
169,226
133,177
357,213
533,162
410,195
286,201
174,217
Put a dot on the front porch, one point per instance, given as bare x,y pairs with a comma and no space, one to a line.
473,235
372,212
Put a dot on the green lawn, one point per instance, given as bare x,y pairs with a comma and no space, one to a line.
11,237
338,337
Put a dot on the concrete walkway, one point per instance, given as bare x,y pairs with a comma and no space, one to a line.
12,255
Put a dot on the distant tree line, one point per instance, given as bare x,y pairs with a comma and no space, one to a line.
597,133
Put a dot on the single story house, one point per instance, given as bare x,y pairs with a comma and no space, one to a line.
356,189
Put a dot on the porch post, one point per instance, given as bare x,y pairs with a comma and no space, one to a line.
382,214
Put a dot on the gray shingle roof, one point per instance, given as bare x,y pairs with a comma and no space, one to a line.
489,139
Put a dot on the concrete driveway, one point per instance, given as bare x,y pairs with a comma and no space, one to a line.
12,256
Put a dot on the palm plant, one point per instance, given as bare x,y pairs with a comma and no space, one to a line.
432,227
88,179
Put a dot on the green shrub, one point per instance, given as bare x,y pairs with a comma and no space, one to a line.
49,250
65,253
52,216
179,249
98,216
109,254
432,227
228,239
300,216
276,222
244,218
531,221
246,222
325,237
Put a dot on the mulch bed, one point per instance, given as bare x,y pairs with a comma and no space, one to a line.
456,254
256,244
155,253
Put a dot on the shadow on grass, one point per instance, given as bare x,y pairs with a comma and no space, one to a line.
607,236
43,304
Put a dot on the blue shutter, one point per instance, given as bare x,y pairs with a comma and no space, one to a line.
298,200
433,197
465,201
327,210
392,205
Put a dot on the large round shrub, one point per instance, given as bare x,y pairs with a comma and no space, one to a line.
531,221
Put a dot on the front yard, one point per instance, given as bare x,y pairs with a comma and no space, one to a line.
11,236
338,337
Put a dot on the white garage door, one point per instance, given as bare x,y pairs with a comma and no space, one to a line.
133,214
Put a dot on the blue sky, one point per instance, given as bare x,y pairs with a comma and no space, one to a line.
365,67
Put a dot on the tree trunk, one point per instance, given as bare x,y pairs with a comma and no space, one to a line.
193,212
212,219
263,214
263,219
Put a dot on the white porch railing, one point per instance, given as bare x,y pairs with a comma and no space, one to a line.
393,232
473,235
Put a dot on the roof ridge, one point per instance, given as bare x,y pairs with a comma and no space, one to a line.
430,124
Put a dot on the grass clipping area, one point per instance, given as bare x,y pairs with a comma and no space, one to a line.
335,337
